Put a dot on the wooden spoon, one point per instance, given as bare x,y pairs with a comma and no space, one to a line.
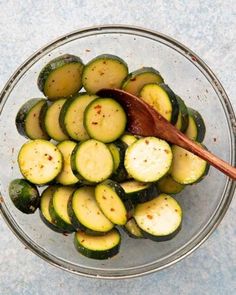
145,121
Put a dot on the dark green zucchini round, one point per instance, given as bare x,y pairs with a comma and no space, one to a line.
85,214
44,214
98,247
61,77
104,71
159,219
58,208
135,81
162,99
117,149
29,119
139,192
112,200
24,195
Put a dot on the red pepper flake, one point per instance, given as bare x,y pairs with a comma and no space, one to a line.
104,62
214,139
1,200
104,198
166,199
12,150
94,123
145,161
112,209
149,216
147,141
186,154
97,107
193,58
49,158
41,166
99,112
65,234
101,73
133,79
82,241
87,50
176,210
34,115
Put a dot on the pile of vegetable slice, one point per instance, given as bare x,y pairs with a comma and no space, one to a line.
98,176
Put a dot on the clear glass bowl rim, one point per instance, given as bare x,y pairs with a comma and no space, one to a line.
195,242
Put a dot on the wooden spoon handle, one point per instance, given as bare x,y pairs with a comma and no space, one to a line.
196,149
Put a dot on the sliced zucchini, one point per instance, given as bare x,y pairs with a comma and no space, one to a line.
45,200
196,128
183,118
139,192
98,247
24,195
66,176
105,119
128,139
104,71
51,121
61,77
159,219
86,215
117,149
162,99
39,161
91,160
58,208
132,229
72,116
168,185
187,168
148,159
135,81
111,199
29,117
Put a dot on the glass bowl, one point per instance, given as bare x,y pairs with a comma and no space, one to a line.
203,204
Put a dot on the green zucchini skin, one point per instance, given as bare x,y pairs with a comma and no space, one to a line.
24,195
120,174
54,65
183,112
102,76
132,229
98,254
144,195
49,223
199,124
138,77
161,238
22,114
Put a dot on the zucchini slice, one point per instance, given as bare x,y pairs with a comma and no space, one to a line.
91,160
66,176
183,117
148,159
159,219
39,161
45,200
104,71
135,81
72,116
29,118
98,247
105,119
117,149
51,121
112,201
187,168
61,77
58,208
168,185
24,195
132,229
128,139
196,128
162,99
86,215
139,192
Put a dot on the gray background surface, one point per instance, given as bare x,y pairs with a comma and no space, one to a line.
208,28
